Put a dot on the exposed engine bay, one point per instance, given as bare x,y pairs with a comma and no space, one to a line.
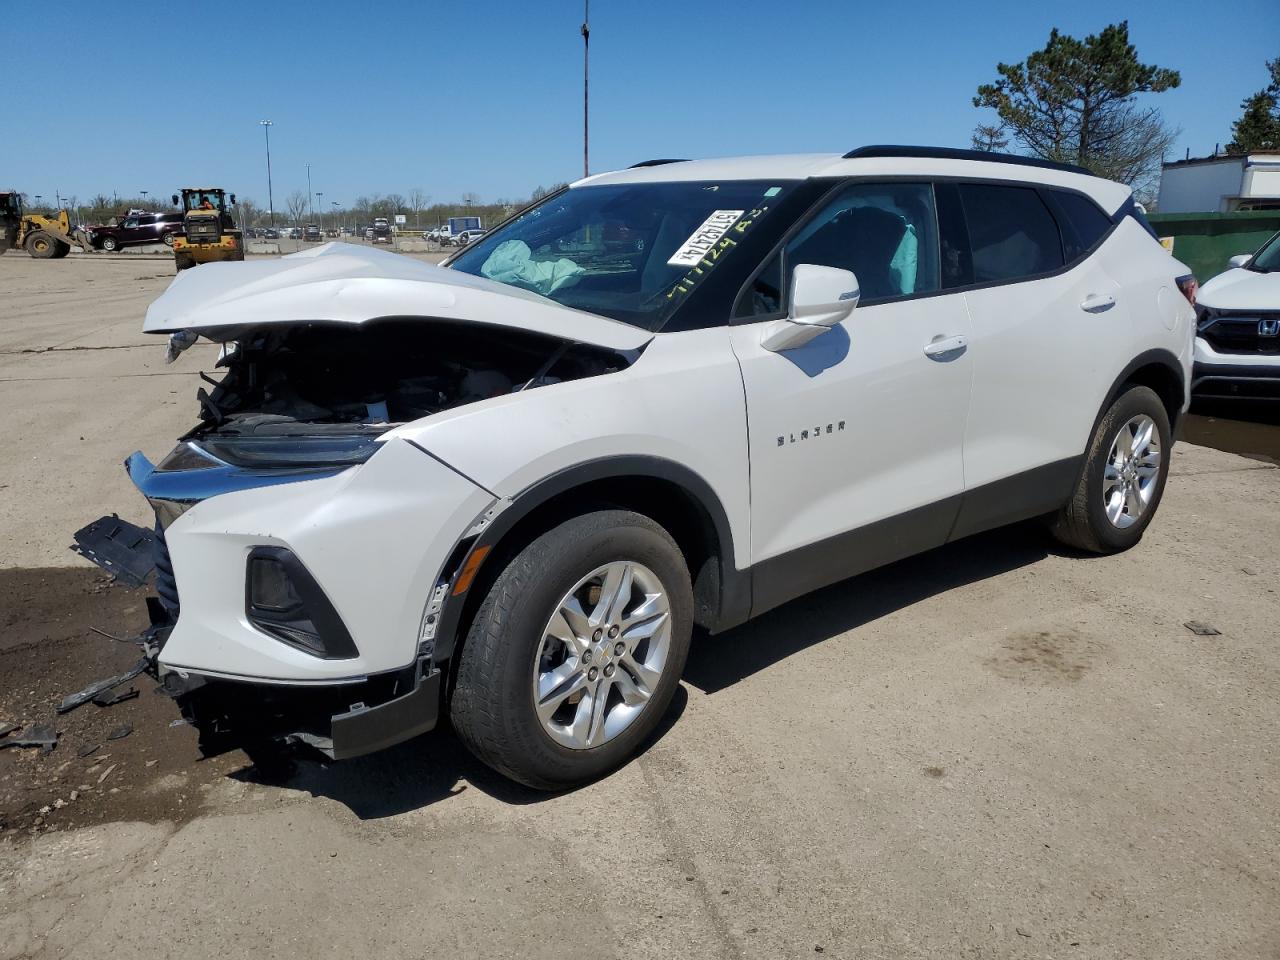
335,380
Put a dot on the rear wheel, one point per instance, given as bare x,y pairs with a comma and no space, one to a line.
183,261
576,651
1123,477
41,245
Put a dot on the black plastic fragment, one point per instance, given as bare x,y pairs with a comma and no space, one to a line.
88,750
42,735
121,548
107,699
94,690
120,732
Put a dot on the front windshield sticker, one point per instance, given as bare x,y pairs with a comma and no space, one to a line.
705,237
690,280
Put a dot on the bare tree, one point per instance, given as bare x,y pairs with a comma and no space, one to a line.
989,138
418,200
297,202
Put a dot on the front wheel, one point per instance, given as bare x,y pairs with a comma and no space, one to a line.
576,651
1123,477
167,239
42,246
109,244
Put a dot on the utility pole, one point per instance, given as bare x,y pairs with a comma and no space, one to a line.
586,45
271,203
320,204
311,212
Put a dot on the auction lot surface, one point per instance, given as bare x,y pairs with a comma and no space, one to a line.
995,750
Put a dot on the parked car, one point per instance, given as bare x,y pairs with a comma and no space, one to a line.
136,228
312,233
381,231
270,233
1238,329
508,488
463,238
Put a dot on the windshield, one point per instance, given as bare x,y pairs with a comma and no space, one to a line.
624,251
1267,260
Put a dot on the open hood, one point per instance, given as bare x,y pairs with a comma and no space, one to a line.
1240,289
345,283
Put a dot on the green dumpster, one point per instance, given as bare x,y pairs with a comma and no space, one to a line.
1206,241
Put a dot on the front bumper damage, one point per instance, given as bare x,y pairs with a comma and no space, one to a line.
344,707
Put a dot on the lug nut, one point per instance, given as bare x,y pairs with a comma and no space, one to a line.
595,637
613,632
619,648
586,656
608,671
592,673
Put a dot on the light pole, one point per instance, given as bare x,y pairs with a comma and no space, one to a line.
144,194
311,213
586,45
320,204
335,215
271,204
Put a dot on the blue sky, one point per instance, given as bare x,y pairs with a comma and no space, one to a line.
385,96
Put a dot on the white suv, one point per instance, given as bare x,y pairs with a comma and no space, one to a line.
672,396
1238,340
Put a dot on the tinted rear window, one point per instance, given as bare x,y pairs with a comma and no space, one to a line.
1083,224
1011,232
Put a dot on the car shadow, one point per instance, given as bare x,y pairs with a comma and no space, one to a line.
414,774
831,611
436,766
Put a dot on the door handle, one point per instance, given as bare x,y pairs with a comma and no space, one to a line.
1097,303
944,349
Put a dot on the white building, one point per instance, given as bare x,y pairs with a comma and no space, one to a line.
1221,184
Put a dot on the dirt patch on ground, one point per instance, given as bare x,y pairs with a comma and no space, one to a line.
48,649
1044,657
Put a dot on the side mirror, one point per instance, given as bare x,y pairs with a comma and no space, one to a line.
174,198
1239,260
820,298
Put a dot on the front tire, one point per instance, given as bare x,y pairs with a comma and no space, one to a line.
42,246
167,239
576,651
109,244
1123,477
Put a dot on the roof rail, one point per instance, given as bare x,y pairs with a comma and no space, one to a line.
657,163
951,153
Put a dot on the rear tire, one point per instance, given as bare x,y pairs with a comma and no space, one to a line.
42,246
1123,477
510,705
183,261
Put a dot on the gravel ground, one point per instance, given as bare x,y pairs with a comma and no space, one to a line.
998,749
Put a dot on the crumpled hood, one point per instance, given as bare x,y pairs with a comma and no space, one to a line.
1240,289
345,283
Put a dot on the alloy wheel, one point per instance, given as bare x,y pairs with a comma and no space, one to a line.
602,655
1132,471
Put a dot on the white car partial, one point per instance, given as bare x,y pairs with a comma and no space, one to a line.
509,488
1238,329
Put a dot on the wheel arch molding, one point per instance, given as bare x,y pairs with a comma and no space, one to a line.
1158,369
672,495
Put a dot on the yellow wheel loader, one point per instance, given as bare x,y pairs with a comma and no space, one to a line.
45,238
210,231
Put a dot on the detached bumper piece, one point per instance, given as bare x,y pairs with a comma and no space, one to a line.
339,721
124,550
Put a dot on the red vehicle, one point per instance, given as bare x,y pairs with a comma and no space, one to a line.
136,228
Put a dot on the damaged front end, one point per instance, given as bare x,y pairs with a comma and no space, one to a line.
279,639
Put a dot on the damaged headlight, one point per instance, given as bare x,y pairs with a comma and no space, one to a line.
291,452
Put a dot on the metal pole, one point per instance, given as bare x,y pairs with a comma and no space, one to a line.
271,203
311,211
586,45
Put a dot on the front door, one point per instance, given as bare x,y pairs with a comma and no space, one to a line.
855,437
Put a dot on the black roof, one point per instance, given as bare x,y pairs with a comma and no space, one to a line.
656,163
951,153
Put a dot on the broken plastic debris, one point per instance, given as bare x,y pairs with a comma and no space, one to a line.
94,690
120,732
123,549
1202,629
7,728
88,750
42,735
106,699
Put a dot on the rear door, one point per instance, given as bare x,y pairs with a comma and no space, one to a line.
855,437
1044,313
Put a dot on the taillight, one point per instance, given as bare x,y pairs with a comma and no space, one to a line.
1189,286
